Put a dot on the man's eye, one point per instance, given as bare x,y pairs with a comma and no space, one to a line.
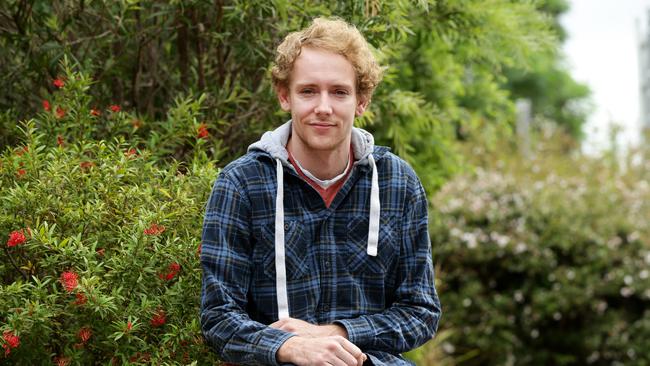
307,91
341,92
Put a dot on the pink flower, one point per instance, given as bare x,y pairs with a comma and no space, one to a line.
129,326
95,112
16,238
115,108
20,173
69,281
46,105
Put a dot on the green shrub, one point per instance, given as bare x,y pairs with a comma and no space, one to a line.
100,245
545,265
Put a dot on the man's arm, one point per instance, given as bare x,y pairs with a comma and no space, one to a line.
226,262
413,317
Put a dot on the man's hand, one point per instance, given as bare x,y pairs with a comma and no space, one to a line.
304,329
326,351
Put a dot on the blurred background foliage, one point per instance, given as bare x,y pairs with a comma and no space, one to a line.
453,68
541,258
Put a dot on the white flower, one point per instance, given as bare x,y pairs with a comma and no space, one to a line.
470,240
534,333
628,280
467,302
519,297
557,315
520,248
643,274
570,274
448,348
626,291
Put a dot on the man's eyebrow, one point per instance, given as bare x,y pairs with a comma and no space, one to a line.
335,85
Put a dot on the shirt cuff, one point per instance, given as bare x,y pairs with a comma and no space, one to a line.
278,338
360,331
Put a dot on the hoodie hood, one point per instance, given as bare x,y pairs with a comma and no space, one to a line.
274,143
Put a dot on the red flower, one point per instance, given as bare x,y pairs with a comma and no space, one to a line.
203,131
11,341
62,361
172,271
115,108
158,319
58,83
69,281
95,112
129,326
100,252
81,299
154,229
20,172
131,152
198,250
59,140
46,105
86,164
60,112
84,334
21,151
16,238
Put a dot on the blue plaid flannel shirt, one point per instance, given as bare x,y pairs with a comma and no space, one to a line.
388,304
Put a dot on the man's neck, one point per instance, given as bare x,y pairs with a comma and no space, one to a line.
323,164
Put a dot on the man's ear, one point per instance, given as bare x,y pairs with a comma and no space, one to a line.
283,97
362,104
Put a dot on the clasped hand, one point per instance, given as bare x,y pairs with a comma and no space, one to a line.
317,344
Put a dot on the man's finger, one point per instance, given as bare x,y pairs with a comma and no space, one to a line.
351,348
278,324
348,352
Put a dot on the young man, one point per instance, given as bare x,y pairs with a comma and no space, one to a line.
315,243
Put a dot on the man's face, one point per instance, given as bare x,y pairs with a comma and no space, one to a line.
323,102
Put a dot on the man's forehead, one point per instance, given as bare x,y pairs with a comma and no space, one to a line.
314,66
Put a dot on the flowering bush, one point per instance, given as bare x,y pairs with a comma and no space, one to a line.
547,263
99,259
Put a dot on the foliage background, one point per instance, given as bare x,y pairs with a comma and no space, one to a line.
185,84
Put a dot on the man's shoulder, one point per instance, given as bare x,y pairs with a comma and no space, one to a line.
393,164
253,162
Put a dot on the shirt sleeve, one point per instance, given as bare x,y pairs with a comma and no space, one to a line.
226,263
412,319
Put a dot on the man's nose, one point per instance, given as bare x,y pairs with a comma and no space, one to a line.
324,106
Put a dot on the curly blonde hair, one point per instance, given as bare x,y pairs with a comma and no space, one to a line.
334,35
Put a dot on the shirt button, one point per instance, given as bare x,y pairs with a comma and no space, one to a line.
326,308
286,226
327,264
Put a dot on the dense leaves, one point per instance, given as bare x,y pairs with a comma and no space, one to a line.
546,262
100,253
448,66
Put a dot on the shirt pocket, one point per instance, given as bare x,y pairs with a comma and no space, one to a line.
295,250
356,250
